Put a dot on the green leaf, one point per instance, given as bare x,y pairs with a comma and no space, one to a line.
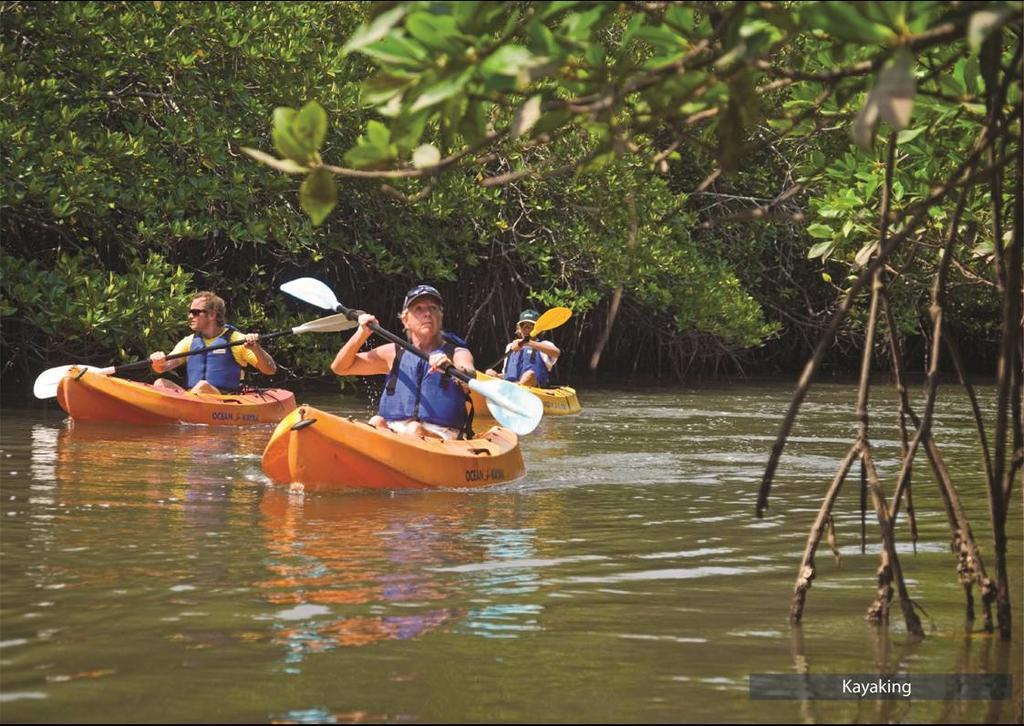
435,31
577,26
663,39
375,30
509,60
408,129
543,41
844,20
972,72
284,140
908,135
362,156
554,8
318,195
821,231
821,249
373,148
378,134
474,122
983,248
442,90
679,17
309,127
382,88
870,186
394,50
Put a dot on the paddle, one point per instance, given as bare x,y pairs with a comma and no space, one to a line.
513,407
550,320
47,381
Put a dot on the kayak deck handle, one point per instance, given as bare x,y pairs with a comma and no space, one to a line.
303,423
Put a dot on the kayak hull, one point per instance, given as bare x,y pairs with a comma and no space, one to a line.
322,451
89,396
560,401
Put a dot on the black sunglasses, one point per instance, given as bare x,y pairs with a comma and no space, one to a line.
195,311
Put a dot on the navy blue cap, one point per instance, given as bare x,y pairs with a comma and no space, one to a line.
421,291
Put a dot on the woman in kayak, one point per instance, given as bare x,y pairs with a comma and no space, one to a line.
418,398
529,362
219,371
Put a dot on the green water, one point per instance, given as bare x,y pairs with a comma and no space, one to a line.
154,575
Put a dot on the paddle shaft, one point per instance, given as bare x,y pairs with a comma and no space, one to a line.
495,364
206,349
387,334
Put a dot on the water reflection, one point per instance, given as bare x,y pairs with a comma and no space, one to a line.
352,569
109,463
179,485
355,569
898,657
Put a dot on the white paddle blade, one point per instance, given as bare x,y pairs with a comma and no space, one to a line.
513,407
47,382
330,324
313,291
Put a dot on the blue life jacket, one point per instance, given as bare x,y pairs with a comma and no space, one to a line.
523,360
217,367
410,392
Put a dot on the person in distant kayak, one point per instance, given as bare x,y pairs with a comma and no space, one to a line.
418,398
528,362
218,371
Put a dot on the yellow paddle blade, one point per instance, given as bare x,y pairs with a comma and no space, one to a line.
550,320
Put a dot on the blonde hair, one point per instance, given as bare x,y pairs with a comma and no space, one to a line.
213,303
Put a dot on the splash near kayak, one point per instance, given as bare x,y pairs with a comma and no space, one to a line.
322,451
90,396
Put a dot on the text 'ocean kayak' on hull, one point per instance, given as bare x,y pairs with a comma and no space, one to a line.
90,396
322,451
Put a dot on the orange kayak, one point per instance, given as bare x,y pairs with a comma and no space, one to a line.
322,451
90,396
560,401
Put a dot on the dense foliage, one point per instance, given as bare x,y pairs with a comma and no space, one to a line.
692,90
125,154
579,163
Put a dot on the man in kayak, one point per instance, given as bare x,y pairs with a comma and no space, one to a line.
418,398
219,371
529,362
